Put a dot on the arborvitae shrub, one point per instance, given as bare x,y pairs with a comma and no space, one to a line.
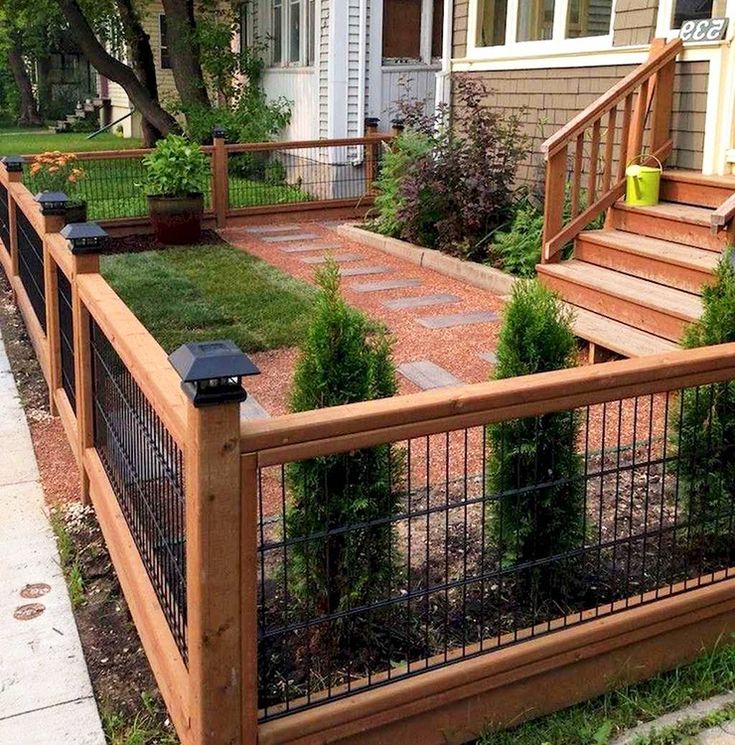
534,469
704,428
342,362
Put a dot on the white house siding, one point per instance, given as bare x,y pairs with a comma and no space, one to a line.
402,82
301,87
323,63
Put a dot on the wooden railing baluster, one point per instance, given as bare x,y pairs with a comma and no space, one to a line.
609,147
577,173
594,155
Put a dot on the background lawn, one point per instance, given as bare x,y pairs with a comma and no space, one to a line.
202,293
20,142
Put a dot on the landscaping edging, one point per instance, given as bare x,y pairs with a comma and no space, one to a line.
477,275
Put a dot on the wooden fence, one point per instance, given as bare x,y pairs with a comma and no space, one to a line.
250,643
298,180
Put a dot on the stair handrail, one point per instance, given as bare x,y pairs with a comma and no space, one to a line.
652,86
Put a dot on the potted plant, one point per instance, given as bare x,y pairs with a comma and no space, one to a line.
177,172
57,171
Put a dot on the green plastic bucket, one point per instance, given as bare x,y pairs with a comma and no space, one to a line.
642,183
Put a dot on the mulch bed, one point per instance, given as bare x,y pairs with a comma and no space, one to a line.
146,242
117,664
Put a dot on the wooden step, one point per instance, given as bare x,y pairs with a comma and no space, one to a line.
664,262
691,187
662,311
680,223
617,337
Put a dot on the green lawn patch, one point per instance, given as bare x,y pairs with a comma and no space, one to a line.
27,143
597,721
201,293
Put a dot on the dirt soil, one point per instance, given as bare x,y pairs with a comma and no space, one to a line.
145,242
123,683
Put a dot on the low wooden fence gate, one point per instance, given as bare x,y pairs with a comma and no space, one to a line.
259,625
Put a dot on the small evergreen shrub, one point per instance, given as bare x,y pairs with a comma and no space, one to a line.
534,470
342,362
704,429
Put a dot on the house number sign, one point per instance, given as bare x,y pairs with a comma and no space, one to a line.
708,29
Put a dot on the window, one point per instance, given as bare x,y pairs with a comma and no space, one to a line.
412,30
501,22
163,39
293,35
696,10
245,27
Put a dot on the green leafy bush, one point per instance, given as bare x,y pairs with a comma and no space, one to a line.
176,167
704,430
342,363
518,250
534,469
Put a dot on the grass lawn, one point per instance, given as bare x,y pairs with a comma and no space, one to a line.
18,142
202,293
595,722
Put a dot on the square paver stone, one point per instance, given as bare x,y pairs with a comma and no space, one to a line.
457,319
339,258
360,271
420,301
265,229
427,375
390,284
490,357
250,408
288,237
310,248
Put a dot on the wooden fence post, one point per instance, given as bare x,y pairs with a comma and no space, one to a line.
220,182
14,167
556,179
211,378
663,102
371,130
53,210
84,241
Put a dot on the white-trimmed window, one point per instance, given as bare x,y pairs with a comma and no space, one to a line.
292,32
412,31
165,58
696,10
505,23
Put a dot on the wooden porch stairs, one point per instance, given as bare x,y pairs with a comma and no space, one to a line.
636,284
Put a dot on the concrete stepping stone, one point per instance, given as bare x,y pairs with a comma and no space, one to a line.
359,271
250,408
389,284
282,228
335,257
313,247
290,237
420,301
427,375
490,357
457,319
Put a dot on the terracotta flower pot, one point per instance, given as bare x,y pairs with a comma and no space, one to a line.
177,220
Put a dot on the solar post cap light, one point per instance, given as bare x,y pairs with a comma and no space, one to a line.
13,163
84,237
212,371
52,202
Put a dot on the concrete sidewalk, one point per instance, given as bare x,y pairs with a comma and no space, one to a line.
45,692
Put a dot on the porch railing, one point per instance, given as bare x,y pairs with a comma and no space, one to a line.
586,159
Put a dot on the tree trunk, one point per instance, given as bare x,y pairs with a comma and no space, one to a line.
148,106
142,60
29,115
184,54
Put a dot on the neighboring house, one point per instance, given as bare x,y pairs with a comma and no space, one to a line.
342,60
554,57
337,61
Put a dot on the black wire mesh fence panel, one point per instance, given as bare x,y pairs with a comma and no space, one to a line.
111,187
290,176
4,217
470,541
66,337
30,265
145,468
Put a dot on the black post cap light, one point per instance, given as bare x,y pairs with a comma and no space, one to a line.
52,202
372,122
212,371
13,163
218,132
398,124
84,237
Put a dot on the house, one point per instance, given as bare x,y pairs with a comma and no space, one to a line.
556,56
337,61
602,82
